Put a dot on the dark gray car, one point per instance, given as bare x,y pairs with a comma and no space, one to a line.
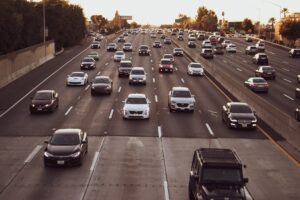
101,85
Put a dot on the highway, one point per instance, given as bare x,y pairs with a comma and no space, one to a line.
138,159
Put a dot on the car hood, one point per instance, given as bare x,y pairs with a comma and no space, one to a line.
221,191
61,150
41,102
136,107
75,78
182,100
196,69
248,116
136,76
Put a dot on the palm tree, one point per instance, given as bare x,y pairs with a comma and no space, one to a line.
284,11
272,21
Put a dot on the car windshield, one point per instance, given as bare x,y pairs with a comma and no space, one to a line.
166,62
126,65
135,100
138,72
221,175
65,139
178,50
101,80
77,74
240,109
263,56
181,93
42,96
168,56
127,45
119,53
207,51
267,69
196,66
144,47
88,60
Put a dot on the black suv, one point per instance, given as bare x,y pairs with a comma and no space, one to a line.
266,72
294,53
260,59
144,50
216,174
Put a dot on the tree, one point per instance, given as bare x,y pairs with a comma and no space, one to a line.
206,19
99,21
134,25
285,11
290,29
272,21
183,21
247,25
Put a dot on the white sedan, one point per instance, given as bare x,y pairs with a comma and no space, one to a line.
136,106
231,48
195,69
77,78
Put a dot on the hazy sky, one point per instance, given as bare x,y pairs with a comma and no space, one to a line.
165,11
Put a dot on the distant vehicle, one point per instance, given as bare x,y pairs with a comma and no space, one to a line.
44,101
167,41
165,65
260,45
294,53
191,38
169,56
180,38
144,50
221,39
137,75
207,53
77,78
213,39
88,63
298,78
119,55
260,59
257,84
248,39
297,114
266,72
177,52
238,115
181,99
157,44
201,36
66,147
195,69
121,39
95,45
206,42
94,54
218,49
127,46
136,106
231,48
251,50
153,35
101,85
125,68
216,174
297,92
163,36
111,47
191,44
225,43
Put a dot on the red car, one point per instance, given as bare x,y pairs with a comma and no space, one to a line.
166,65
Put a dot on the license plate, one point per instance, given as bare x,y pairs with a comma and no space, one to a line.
39,109
244,125
60,162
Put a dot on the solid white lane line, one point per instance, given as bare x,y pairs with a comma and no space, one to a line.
152,68
287,80
33,153
98,73
87,87
285,69
69,110
211,111
119,90
182,80
156,98
287,96
111,114
153,80
224,61
248,195
106,64
151,60
38,85
96,155
166,190
159,131
176,68
209,129
270,52
239,69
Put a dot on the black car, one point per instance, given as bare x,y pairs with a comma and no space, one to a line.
266,72
191,44
144,50
294,53
248,39
167,41
101,85
88,63
238,115
66,147
216,174
297,114
44,101
260,59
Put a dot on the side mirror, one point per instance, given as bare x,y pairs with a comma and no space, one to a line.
83,141
46,142
224,108
246,180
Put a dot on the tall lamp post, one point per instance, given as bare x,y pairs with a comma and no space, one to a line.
279,6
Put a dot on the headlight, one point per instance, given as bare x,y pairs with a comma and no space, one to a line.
47,154
173,102
108,87
33,105
76,154
232,120
144,78
47,105
254,121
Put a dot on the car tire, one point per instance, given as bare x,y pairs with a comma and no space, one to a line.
297,117
228,124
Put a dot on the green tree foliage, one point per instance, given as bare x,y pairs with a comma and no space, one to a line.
206,19
183,21
99,21
290,29
247,25
21,23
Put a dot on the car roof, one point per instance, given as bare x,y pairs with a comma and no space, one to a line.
181,88
120,52
136,95
78,72
125,61
67,131
164,59
138,68
167,54
106,77
45,91
237,103
195,63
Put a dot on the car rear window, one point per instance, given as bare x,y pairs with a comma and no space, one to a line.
258,80
65,139
126,65
144,47
196,66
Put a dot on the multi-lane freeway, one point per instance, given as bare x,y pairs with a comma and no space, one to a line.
138,159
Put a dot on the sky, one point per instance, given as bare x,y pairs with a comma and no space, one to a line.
157,12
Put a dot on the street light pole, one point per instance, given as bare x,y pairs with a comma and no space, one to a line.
44,27
279,6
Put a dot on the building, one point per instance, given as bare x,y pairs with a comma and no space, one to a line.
277,36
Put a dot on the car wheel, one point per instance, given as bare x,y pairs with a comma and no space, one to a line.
297,116
228,124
